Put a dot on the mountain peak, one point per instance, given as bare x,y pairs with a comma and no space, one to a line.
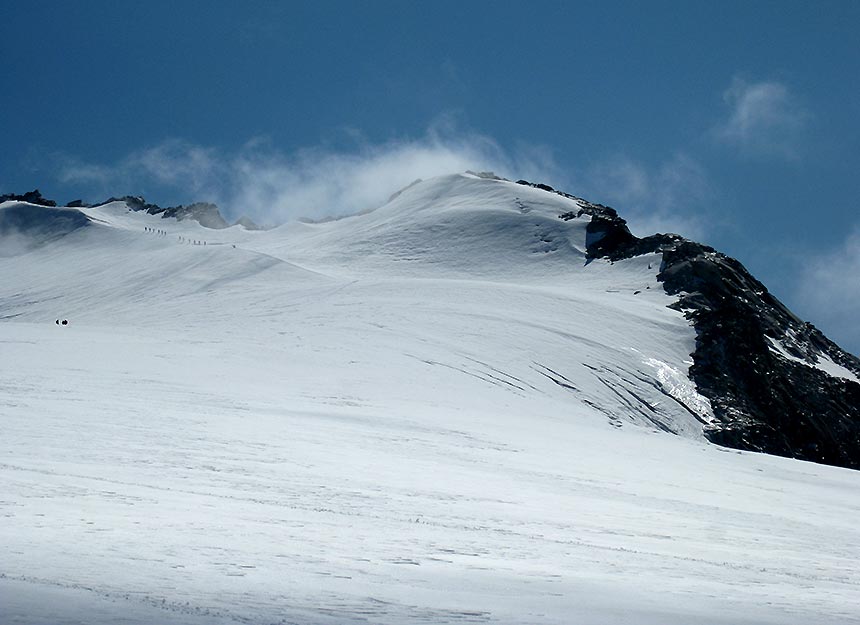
776,384
760,378
31,197
206,214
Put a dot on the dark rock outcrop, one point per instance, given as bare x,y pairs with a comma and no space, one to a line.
754,360
31,197
205,213
135,203
778,403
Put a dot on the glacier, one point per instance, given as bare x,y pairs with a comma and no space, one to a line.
438,411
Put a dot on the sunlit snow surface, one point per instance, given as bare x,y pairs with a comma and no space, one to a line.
433,413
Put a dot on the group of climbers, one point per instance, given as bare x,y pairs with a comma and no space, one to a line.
180,238
192,241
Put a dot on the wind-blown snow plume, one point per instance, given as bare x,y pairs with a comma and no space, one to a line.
272,186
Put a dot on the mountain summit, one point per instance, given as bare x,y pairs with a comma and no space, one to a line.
481,402
776,384
744,372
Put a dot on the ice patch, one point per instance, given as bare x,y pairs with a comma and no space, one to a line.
681,388
834,369
779,348
824,363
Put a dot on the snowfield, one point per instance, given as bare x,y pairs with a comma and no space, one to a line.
435,412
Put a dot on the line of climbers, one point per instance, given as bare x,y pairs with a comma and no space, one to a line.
191,241
181,239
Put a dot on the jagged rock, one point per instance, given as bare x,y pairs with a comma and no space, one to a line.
135,203
754,360
32,197
78,204
205,213
763,401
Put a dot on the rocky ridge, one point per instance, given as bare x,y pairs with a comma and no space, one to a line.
206,214
758,364
31,197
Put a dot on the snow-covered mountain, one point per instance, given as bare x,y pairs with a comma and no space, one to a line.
458,407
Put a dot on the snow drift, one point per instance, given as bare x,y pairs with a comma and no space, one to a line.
25,226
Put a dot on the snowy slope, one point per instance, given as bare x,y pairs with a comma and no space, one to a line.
434,412
461,273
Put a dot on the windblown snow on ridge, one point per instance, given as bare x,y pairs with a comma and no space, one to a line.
440,411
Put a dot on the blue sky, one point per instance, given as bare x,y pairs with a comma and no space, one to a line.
736,123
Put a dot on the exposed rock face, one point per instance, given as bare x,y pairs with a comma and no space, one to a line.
135,203
754,360
32,197
205,213
764,401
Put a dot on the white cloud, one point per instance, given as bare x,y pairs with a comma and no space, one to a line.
73,170
272,186
172,163
829,291
764,119
662,198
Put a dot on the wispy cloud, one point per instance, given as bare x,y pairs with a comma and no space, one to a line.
173,163
273,186
829,291
667,197
764,119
